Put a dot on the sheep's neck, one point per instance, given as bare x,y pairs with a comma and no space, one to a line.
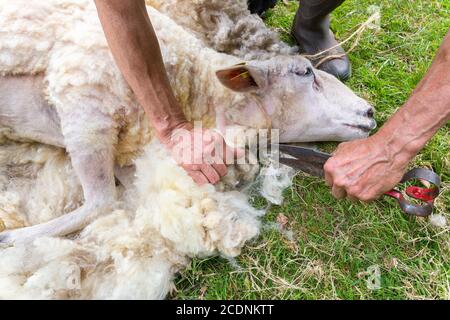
199,92
191,67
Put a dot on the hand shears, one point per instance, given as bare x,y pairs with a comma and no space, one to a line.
312,162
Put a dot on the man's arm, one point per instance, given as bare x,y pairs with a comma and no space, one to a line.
135,48
137,53
365,169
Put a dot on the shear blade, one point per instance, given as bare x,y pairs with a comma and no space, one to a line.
303,154
313,169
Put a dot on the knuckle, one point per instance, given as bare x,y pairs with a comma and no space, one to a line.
354,191
329,166
340,182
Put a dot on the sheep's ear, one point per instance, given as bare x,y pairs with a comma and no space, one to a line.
242,78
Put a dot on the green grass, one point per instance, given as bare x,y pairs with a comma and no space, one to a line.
336,241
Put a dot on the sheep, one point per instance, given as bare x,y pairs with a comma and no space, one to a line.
67,81
226,26
96,118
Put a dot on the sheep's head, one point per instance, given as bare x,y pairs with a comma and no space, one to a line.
304,103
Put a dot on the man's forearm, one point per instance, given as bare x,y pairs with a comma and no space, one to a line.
365,169
428,109
135,48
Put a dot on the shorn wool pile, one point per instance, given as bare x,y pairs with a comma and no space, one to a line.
132,252
159,222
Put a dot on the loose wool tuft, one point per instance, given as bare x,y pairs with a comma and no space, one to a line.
438,220
275,179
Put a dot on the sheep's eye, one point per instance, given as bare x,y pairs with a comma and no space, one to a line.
307,72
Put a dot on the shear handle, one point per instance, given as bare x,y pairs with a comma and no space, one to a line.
425,194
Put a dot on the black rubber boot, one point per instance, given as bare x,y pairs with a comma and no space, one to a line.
312,31
261,6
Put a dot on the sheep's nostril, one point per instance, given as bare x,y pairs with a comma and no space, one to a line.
370,113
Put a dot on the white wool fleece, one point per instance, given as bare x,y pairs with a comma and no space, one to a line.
23,203
134,251
64,40
226,26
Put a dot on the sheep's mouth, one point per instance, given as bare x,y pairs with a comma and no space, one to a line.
366,129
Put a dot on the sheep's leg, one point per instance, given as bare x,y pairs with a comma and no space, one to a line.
89,137
125,175
24,110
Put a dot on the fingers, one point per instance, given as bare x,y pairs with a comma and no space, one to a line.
339,190
210,159
369,194
210,173
206,173
354,193
198,177
220,168
336,190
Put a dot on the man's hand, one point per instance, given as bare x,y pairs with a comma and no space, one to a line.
364,169
202,153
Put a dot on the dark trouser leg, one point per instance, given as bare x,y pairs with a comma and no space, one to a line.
312,32
260,6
